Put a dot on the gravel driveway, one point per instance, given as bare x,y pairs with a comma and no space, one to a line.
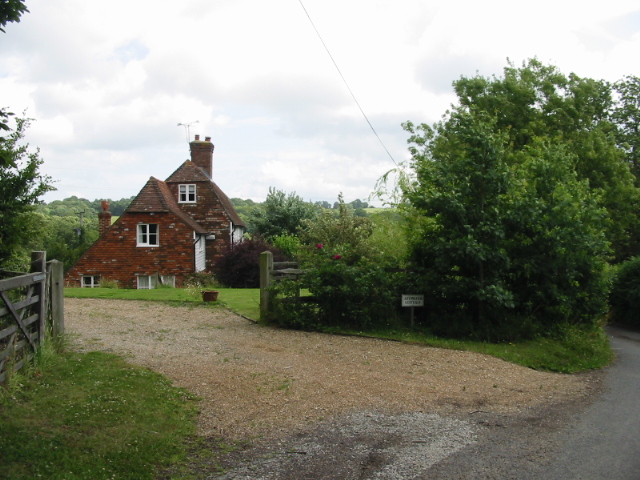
370,408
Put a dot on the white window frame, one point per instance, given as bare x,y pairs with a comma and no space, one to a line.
149,282
146,237
94,281
187,193
146,282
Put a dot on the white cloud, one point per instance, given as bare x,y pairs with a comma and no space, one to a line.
109,82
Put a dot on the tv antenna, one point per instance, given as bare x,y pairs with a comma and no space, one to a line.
187,126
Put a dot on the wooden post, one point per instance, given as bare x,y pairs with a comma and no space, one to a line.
39,264
57,298
266,267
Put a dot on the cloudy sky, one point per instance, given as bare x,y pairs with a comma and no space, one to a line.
109,82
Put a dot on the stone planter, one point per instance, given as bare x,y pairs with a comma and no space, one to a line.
209,295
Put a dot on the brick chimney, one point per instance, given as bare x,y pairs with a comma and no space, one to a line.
104,218
202,154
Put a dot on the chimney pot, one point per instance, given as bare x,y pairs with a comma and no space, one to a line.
207,139
197,137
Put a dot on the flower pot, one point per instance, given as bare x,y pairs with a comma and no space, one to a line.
209,295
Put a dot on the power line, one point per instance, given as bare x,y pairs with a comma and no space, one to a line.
346,84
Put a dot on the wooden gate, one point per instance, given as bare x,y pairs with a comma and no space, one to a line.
24,311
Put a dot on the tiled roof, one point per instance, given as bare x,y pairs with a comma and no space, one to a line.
156,197
189,172
228,206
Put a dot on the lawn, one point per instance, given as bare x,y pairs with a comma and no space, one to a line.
245,301
92,416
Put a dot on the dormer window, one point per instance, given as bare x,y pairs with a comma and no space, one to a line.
187,193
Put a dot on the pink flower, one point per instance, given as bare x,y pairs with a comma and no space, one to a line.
337,257
319,246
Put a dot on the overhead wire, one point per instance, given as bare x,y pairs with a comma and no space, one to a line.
346,83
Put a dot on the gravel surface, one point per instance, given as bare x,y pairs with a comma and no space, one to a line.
381,408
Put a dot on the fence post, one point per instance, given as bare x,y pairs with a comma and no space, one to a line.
57,298
266,267
39,264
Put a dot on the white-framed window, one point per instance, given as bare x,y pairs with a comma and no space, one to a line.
90,281
147,282
187,193
148,235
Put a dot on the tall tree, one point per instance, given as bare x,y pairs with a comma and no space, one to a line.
21,186
281,214
537,101
511,233
626,114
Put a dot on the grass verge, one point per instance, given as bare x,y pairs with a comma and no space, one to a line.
573,350
80,416
245,301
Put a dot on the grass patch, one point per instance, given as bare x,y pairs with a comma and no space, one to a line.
245,301
94,416
570,351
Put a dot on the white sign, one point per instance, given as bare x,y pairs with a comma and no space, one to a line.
413,300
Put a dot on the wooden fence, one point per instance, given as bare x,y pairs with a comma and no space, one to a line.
31,303
271,271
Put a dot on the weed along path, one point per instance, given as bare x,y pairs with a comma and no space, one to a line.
373,408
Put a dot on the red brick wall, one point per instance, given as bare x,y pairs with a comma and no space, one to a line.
115,255
210,214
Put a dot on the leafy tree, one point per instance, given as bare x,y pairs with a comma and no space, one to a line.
62,237
625,294
357,203
281,214
626,114
11,11
21,186
510,237
323,204
537,101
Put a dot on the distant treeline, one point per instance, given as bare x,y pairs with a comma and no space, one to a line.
75,206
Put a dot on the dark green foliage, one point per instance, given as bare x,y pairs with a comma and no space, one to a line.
626,115
349,285
512,240
281,214
537,102
21,186
11,11
239,267
625,294
361,296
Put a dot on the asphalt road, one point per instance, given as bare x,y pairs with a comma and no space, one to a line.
605,442
586,441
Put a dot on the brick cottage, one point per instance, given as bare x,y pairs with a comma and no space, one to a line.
169,231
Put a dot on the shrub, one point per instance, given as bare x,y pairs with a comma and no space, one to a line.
361,295
239,267
625,294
